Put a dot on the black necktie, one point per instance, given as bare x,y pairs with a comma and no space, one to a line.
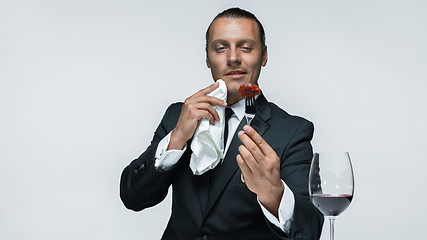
228,113
211,175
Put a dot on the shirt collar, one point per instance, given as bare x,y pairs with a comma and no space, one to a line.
239,108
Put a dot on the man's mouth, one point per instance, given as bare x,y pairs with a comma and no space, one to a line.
235,73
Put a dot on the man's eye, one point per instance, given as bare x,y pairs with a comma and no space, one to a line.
246,48
219,49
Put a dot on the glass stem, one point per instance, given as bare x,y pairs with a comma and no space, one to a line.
331,227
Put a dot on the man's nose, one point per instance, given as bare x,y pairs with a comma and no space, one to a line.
233,57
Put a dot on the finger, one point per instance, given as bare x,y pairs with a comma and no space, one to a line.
251,146
209,109
249,160
246,171
213,100
207,90
206,99
194,107
258,140
204,114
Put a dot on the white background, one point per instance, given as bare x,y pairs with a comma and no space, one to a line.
84,83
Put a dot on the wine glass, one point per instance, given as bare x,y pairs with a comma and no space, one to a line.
331,184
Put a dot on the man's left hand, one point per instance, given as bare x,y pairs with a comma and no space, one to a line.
260,167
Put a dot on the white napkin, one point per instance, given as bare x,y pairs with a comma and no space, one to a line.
208,141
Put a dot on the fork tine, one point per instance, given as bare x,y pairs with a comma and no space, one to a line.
250,105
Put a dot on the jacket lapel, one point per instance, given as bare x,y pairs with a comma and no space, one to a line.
260,122
222,174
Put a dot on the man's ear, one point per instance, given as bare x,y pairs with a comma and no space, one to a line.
207,58
207,61
264,57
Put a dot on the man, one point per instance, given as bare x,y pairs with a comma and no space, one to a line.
260,189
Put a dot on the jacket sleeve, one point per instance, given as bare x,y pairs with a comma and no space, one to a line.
295,167
141,185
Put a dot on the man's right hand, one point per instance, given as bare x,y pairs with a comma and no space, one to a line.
195,108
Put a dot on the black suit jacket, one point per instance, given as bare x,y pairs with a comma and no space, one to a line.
217,205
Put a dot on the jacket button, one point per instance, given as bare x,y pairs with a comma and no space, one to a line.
141,168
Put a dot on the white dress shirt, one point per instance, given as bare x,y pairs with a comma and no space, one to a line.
166,159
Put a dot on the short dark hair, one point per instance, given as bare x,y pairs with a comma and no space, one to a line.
239,13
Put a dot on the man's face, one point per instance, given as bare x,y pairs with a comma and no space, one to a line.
234,53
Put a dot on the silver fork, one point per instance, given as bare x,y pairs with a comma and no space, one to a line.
250,109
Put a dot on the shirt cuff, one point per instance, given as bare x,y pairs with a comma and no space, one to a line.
286,210
166,159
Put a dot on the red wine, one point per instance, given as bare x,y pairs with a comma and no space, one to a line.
331,204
